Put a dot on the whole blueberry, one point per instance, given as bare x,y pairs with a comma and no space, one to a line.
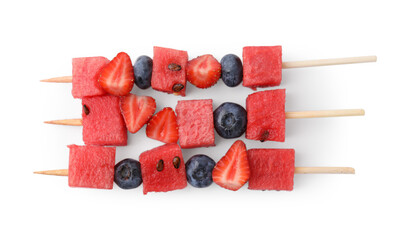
232,70
199,170
230,120
143,72
128,174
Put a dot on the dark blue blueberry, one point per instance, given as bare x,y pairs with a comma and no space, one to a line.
143,72
230,120
199,170
128,174
232,70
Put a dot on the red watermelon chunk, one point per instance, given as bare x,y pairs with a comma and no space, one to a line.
266,116
271,169
195,121
91,166
102,121
169,178
85,74
262,66
164,77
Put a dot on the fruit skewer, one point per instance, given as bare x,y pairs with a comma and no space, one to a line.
163,169
298,170
170,69
288,115
105,119
285,65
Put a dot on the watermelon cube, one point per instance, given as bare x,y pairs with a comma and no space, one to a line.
169,70
102,121
195,121
91,166
85,74
266,116
262,66
271,169
163,169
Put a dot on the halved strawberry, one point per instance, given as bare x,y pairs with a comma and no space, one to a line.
233,170
203,71
163,126
137,110
117,77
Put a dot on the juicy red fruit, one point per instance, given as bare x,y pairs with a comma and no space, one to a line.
102,121
169,176
117,77
137,110
203,71
163,126
169,70
85,74
262,66
233,171
266,115
195,122
91,166
271,169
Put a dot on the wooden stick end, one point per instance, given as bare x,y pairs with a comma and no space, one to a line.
46,80
65,79
68,122
58,172
361,112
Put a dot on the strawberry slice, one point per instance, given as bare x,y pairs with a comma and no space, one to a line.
137,110
117,77
233,170
203,71
163,126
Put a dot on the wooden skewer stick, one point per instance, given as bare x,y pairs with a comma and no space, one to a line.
66,79
325,113
288,115
327,62
298,170
330,170
58,172
294,64
68,122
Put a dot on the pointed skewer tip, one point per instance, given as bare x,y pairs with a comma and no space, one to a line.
68,122
57,172
40,172
45,80
65,79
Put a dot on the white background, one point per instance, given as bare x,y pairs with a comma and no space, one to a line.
39,38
